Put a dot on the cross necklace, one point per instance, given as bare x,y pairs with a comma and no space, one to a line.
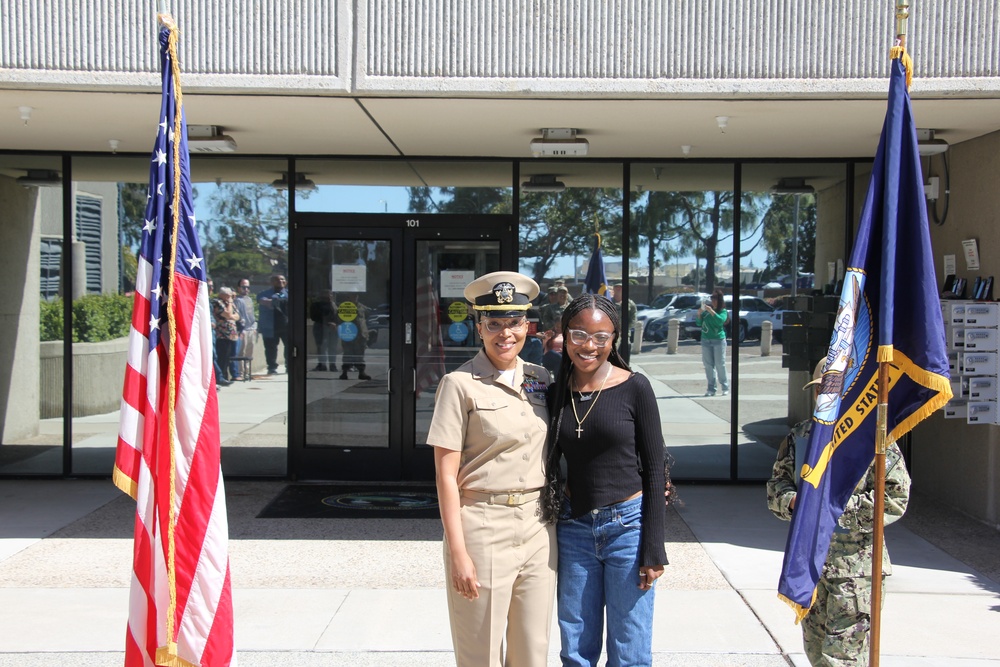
579,422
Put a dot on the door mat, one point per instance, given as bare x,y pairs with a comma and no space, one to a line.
352,501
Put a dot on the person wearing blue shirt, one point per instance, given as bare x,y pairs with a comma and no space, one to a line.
273,322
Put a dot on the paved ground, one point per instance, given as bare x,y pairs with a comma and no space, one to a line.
341,592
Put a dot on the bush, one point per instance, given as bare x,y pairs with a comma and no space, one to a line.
96,317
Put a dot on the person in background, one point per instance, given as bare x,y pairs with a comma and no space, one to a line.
552,353
551,315
220,375
611,506
712,317
226,331
836,629
273,323
323,313
626,314
488,433
248,329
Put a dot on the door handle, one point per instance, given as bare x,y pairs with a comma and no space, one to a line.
388,381
414,380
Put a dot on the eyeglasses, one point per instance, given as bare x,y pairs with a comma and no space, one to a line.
580,337
496,326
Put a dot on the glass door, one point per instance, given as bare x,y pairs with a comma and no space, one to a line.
381,318
345,406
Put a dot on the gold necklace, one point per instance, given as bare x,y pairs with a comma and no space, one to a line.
572,402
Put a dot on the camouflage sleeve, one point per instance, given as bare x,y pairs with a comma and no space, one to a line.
859,514
781,487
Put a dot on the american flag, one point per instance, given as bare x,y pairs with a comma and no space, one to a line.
168,455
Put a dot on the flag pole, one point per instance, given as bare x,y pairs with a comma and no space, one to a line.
878,527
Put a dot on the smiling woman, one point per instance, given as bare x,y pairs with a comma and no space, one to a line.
488,433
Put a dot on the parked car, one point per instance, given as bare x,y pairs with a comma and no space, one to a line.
655,328
753,312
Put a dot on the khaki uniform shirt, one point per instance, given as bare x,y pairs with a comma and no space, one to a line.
499,429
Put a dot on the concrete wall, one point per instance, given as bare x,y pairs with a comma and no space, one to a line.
504,48
98,373
19,310
958,463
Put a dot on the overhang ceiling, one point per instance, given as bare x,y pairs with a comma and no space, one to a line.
473,128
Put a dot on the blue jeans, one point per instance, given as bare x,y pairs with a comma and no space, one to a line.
598,575
713,356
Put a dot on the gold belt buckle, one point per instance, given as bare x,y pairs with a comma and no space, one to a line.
511,497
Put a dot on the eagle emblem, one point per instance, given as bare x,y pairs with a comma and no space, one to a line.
504,292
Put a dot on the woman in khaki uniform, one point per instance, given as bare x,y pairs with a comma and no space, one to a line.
488,433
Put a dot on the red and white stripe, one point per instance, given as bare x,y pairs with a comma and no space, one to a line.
203,612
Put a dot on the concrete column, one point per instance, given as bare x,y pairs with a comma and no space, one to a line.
19,311
765,338
637,337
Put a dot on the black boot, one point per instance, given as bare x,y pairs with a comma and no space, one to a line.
361,373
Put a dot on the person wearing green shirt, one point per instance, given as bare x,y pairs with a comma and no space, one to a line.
712,318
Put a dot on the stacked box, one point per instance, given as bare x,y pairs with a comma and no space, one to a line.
971,329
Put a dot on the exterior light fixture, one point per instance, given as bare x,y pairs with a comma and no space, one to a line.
559,142
25,113
209,139
301,182
543,183
928,144
40,178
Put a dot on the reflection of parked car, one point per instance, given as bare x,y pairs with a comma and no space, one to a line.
754,311
657,320
378,319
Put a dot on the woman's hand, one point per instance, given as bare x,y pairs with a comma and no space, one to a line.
648,575
463,575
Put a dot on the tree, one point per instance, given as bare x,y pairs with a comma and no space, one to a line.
248,231
553,224
778,225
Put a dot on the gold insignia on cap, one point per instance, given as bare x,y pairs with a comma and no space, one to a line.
504,292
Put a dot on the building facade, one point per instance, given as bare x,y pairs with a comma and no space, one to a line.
404,130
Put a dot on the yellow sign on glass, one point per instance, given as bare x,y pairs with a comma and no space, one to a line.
458,311
347,311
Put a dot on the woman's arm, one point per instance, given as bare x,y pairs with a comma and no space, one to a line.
463,572
649,443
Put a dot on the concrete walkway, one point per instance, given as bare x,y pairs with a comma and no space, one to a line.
340,592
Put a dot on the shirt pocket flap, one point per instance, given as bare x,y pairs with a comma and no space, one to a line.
483,403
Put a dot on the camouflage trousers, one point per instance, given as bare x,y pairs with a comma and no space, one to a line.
836,630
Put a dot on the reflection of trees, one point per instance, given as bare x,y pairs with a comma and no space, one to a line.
778,228
553,224
562,224
675,224
247,234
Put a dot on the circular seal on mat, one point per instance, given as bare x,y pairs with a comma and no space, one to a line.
383,500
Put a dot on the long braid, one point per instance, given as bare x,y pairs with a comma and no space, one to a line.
582,303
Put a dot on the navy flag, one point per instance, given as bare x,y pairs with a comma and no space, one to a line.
596,281
889,311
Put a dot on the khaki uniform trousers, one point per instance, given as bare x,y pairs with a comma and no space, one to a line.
514,552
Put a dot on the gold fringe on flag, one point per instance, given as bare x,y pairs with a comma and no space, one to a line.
898,52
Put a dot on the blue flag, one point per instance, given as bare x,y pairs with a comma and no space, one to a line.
596,281
889,311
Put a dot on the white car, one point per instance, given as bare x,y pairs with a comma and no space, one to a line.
655,328
754,311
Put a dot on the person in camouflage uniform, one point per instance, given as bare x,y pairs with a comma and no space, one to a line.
835,632
549,316
626,315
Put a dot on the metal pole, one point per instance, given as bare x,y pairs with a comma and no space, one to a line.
795,248
879,518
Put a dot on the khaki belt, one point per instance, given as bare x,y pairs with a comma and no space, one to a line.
509,498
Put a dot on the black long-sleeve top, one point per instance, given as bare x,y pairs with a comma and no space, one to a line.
619,452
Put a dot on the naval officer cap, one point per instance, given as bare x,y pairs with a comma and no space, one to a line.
501,294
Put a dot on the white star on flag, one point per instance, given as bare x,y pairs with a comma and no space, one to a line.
149,226
156,291
154,323
160,158
194,262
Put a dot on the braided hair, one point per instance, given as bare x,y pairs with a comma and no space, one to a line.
554,483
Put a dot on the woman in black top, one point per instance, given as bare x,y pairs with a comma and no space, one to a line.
612,511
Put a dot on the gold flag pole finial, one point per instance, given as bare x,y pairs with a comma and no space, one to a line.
899,48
